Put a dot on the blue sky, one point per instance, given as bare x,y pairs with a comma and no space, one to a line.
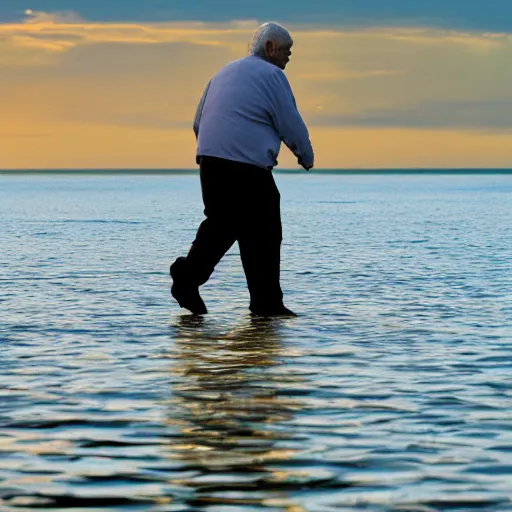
482,15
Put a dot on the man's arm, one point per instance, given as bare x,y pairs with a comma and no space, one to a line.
199,111
288,121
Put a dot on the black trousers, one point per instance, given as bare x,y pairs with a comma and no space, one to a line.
242,204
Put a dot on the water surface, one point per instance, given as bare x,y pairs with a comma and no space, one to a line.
391,392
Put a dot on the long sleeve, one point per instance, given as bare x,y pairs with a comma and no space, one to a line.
288,121
199,111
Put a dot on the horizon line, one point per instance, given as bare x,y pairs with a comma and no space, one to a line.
163,171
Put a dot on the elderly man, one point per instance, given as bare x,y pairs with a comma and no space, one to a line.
247,109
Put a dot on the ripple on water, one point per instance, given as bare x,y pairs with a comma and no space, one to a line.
391,392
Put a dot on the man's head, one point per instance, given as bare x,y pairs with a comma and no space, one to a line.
272,42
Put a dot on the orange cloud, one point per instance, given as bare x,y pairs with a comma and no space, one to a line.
124,94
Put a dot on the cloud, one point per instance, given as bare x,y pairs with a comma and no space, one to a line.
63,31
74,78
22,135
473,115
493,16
335,76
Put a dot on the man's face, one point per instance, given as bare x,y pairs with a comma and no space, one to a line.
278,55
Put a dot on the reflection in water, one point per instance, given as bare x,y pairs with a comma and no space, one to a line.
401,361
228,407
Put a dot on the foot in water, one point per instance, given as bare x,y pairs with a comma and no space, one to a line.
185,293
278,311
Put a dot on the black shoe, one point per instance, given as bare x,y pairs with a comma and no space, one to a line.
279,311
187,295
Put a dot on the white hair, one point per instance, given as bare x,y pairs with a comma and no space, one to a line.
269,32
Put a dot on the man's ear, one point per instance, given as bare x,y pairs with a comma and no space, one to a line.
269,48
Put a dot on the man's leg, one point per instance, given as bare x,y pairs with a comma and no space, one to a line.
260,247
216,234
213,240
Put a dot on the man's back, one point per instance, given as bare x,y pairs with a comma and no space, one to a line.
247,109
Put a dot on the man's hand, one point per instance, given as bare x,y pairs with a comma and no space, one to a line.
307,166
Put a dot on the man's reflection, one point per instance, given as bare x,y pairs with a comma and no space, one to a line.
229,406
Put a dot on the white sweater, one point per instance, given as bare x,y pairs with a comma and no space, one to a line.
247,109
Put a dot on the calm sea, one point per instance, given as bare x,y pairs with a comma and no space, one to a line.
391,392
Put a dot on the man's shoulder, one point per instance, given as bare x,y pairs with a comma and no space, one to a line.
254,73
256,64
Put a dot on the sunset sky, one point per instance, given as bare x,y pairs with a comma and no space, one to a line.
380,83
